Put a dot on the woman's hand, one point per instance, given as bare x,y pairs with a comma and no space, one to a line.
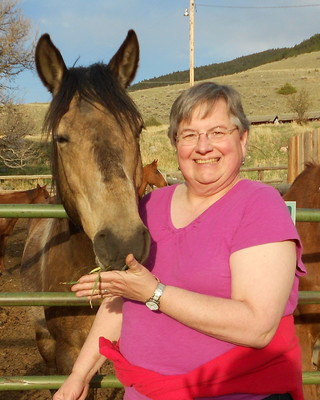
74,388
135,283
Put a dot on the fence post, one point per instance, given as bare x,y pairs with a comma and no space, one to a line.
302,148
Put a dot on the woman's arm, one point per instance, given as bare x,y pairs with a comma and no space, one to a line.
261,280
107,323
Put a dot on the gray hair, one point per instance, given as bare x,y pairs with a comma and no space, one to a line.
205,95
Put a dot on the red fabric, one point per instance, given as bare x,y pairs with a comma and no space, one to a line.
274,369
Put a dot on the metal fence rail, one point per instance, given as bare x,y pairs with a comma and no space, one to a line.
98,381
68,298
53,382
48,299
58,211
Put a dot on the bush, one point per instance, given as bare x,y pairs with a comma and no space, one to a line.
152,121
287,89
300,104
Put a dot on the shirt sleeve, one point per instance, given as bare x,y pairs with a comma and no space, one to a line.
266,219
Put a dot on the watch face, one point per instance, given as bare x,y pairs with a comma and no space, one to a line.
152,305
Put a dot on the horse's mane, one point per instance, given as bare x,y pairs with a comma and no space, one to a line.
95,83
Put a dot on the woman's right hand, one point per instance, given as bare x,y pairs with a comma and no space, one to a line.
74,388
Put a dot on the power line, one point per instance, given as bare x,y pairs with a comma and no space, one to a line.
261,7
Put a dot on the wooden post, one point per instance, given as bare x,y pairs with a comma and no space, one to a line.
302,148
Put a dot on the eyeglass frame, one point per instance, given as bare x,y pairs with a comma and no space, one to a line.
198,134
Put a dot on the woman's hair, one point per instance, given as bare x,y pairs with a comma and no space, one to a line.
205,95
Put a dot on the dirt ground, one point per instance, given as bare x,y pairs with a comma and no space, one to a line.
18,352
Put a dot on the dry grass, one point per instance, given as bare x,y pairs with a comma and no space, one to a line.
258,88
268,146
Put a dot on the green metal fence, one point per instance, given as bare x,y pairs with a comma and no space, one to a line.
62,298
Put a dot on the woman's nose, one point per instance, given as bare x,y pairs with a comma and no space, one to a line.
203,145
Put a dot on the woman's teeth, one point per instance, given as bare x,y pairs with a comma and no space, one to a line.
209,161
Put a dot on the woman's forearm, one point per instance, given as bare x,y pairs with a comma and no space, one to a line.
107,323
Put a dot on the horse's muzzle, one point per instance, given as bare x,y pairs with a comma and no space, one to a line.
111,249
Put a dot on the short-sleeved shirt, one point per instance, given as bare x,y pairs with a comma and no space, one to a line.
197,258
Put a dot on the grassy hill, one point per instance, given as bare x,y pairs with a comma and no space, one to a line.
237,65
257,86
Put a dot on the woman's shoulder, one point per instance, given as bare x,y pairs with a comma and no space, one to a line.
257,188
157,196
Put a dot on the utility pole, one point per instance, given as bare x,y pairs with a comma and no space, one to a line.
191,34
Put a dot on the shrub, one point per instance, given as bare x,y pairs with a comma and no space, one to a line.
152,121
300,104
287,89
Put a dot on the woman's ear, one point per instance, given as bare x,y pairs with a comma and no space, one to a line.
244,142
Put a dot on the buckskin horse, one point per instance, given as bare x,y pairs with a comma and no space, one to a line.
31,196
151,176
97,169
305,190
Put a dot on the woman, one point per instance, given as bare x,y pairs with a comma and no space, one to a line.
210,315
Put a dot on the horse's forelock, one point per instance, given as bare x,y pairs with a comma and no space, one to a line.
94,84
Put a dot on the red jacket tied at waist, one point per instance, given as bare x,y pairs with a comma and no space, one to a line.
274,369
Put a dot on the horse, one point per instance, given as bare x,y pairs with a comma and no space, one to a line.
97,170
305,190
32,196
151,176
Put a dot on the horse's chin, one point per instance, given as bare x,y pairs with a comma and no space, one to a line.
111,265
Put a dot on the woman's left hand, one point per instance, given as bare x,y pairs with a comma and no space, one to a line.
135,283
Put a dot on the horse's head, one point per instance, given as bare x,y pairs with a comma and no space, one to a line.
153,176
41,195
96,162
305,189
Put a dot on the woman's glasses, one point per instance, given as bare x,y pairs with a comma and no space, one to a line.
214,135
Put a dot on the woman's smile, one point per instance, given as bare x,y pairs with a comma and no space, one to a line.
208,161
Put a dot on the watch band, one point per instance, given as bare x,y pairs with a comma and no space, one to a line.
154,302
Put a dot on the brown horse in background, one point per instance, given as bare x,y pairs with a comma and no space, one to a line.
305,190
97,168
32,196
151,176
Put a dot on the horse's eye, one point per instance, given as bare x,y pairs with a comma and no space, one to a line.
61,138
140,130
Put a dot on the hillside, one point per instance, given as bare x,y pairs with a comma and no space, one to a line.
237,65
257,86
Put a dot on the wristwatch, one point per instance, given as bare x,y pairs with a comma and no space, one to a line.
154,302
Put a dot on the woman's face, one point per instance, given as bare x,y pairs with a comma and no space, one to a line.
207,165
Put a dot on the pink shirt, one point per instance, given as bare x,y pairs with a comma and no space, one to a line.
196,258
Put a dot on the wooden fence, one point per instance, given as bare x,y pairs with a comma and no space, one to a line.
303,148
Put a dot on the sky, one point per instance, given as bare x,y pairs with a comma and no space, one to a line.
88,31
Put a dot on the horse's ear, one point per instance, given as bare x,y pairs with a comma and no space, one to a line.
124,63
49,62
38,186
